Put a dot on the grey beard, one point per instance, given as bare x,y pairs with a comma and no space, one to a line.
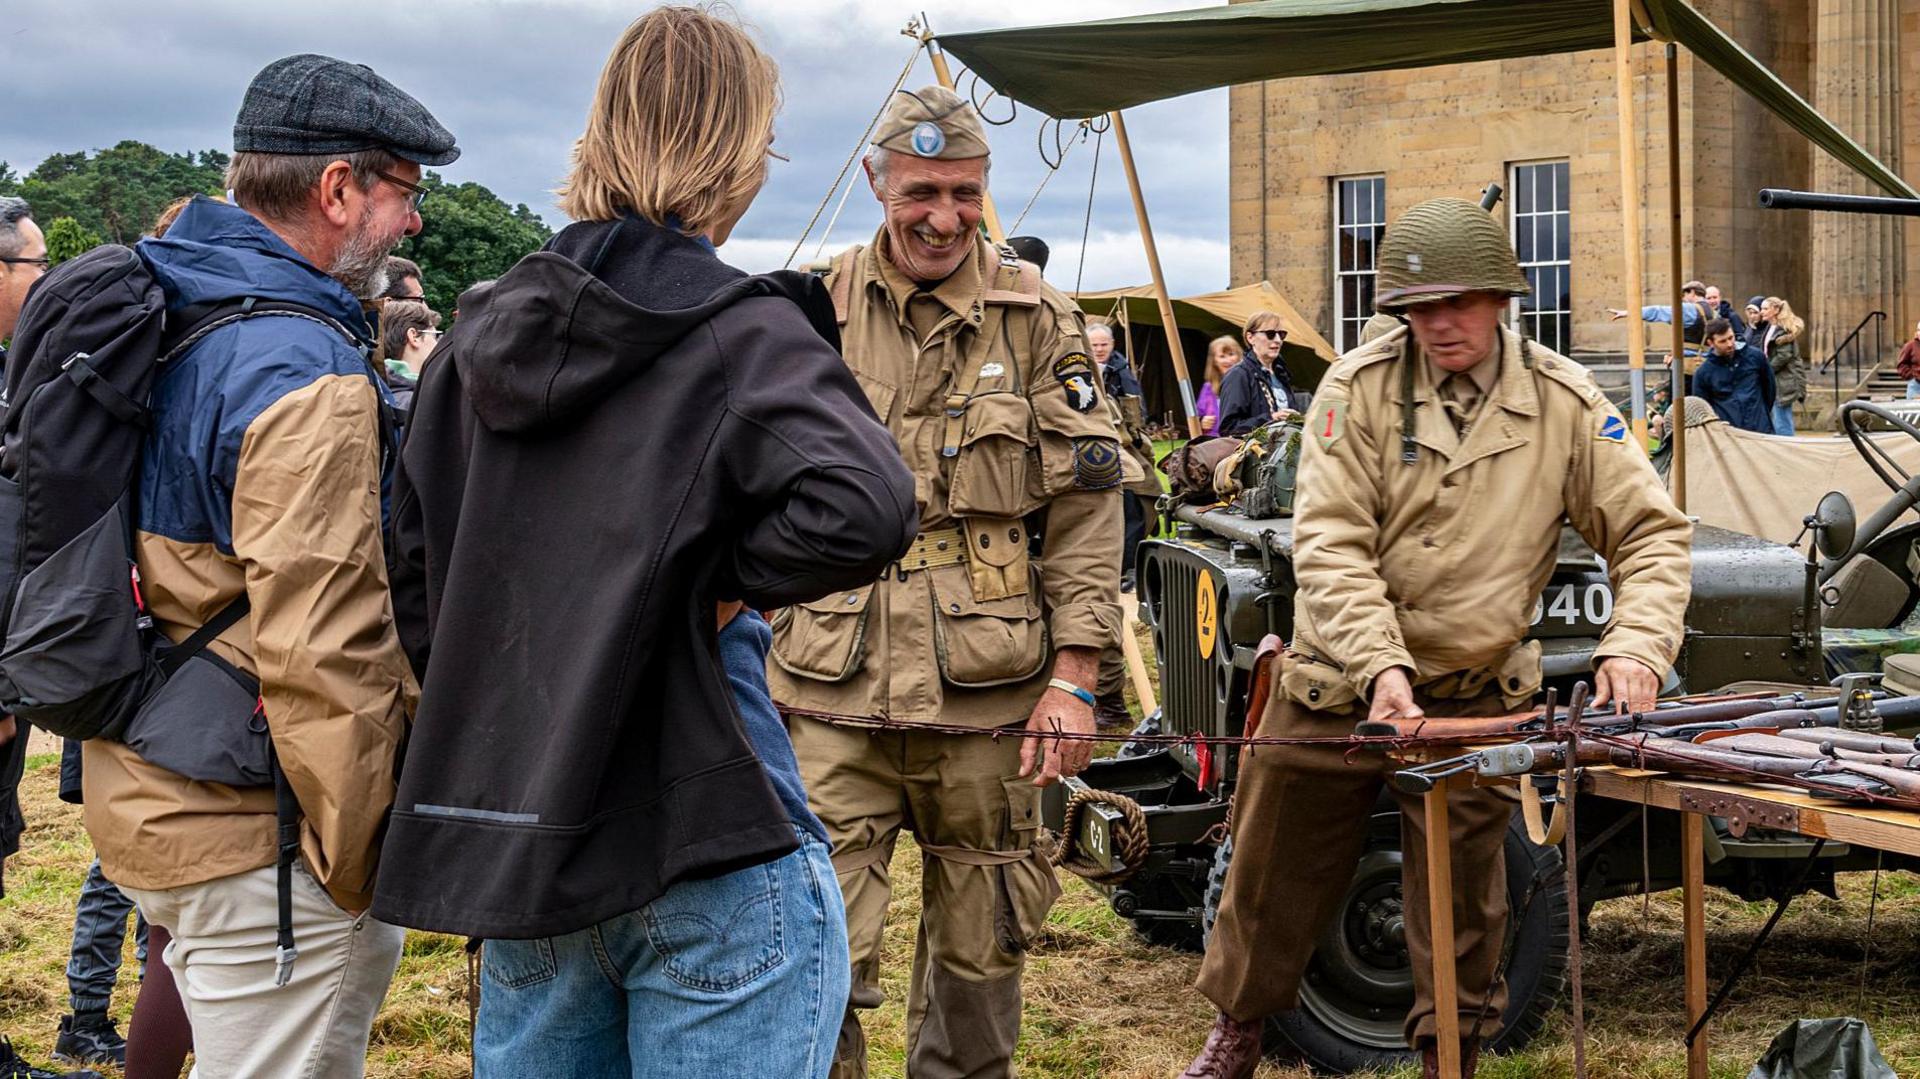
361,264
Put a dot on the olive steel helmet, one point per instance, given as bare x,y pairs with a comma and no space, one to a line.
1443,248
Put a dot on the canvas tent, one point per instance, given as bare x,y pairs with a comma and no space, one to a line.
1135,313
1068,70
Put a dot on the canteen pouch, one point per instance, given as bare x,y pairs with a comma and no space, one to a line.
205,722
990,472
826,639
984,642
997,557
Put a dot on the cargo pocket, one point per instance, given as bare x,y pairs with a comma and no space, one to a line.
1308,680
825,640
1028,887
984,642
990,476
205,723
1519,674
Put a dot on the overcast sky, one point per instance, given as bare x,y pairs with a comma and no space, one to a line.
511,79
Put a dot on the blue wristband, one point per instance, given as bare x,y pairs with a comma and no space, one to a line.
1069,687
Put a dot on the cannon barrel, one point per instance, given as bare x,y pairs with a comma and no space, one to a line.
1779,198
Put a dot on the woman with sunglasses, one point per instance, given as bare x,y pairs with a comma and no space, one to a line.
1257,391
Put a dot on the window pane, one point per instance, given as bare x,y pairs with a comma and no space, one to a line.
1523,189
1561,187
1523,240
1365,254
1346,202
1363,297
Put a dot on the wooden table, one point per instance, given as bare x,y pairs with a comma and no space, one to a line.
1743,805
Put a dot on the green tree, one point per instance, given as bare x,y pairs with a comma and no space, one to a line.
116,193
67,238
468,234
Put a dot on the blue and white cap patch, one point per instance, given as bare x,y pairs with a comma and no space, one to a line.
927,139
1613,429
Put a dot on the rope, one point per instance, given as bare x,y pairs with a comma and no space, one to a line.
1086,227
912,59
1129,838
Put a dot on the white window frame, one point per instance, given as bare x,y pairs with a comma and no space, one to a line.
1530,321
1342,340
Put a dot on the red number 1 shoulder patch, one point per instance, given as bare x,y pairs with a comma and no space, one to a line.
1329,422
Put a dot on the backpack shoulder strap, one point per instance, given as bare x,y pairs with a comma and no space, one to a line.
192,325
171,659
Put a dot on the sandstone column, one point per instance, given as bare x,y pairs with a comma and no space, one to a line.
1858,261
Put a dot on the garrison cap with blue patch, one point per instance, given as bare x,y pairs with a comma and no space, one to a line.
932,121
313,104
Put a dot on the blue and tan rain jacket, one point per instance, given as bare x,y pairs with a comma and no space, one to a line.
264,473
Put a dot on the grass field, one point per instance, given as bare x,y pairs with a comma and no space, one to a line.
1099,1002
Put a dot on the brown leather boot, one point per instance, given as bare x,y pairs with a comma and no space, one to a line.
1232,1050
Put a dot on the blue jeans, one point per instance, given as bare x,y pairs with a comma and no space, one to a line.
1913,388
99,932
742,975
1783,419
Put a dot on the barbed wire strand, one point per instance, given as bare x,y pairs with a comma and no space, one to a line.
912,59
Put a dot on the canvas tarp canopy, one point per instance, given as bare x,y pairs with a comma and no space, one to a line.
1085,69
1202,318
1765,485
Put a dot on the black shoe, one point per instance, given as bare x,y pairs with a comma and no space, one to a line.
12,1067
89,1038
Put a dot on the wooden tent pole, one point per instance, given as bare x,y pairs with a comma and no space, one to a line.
1174,352
1677,408
942,73
1630,216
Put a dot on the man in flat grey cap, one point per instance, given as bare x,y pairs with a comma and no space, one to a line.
263,484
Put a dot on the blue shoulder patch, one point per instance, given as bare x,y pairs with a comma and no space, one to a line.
1613,429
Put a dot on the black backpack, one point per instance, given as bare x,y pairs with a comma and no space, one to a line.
79,655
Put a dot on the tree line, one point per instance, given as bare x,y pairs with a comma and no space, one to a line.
84,199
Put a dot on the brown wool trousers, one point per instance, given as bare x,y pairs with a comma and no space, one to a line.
985,885
1300,822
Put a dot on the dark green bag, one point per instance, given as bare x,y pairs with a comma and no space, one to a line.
1268,474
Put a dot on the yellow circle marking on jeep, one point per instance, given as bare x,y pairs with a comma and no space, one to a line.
1206,615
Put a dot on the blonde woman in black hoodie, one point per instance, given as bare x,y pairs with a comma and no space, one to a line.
622,441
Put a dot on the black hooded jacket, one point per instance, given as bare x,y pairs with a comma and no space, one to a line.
617,433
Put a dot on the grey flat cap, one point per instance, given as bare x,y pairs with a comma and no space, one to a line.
311,104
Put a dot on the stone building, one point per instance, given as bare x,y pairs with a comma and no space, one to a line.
1320,164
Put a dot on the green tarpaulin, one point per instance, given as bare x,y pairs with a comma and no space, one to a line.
1084,69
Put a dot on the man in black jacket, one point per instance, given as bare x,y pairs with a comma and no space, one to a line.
621,436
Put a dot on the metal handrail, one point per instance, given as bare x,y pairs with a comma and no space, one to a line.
1879,319
1848,345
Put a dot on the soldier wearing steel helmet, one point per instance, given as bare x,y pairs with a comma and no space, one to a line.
981,371
1443,458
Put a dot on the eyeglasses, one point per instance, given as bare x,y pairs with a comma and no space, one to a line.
1271,335
42,262
417,193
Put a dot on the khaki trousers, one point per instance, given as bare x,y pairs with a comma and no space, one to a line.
222,958
1300,822
985,886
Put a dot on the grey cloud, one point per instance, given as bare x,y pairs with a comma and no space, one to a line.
512,80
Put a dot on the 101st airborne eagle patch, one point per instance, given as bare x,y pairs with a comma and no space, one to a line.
1075,372
1612,429
1329,422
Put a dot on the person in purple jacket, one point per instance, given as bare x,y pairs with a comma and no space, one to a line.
1222,354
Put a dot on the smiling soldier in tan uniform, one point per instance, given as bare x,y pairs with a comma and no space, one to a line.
1444,457
982,374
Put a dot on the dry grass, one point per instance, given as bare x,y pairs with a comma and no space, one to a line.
1101,1003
